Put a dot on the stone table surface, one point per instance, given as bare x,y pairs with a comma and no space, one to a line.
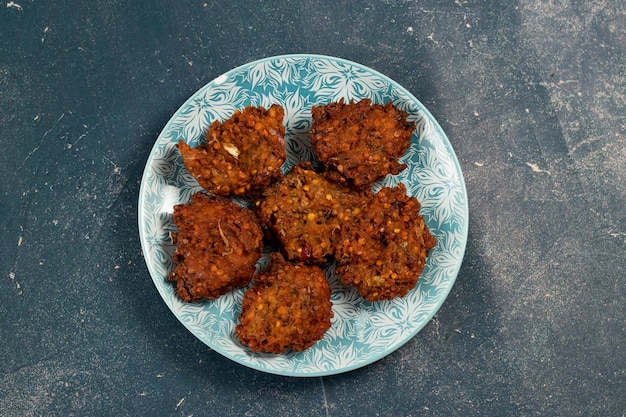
532,95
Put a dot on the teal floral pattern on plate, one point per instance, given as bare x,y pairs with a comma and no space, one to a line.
361,332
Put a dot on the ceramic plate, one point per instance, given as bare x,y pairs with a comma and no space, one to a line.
361,332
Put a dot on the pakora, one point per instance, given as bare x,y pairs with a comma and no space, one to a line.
360,142
242,155
288,307
218,246
383,251
304,211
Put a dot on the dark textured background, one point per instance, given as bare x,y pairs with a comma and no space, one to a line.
532,95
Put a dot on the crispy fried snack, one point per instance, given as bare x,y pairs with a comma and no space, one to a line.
361,142
383,251
287,307
241,155
218,245
305,211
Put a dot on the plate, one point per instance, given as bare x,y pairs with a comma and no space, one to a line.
361,332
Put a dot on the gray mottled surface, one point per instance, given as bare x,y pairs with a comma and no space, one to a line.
532,95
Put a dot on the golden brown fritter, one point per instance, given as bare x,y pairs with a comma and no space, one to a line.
287,307
242,155
383,251
361,142
305,211
218,245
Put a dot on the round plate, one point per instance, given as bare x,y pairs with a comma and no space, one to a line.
361,332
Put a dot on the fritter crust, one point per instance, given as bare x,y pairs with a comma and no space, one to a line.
361,142
305,211
287,307
241,155
383,251
218,245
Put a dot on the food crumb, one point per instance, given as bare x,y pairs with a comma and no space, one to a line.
14,5
535,168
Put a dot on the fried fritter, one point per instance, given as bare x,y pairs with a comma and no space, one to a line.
305,211
360,142
383,251
287,307
218,245
242,155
